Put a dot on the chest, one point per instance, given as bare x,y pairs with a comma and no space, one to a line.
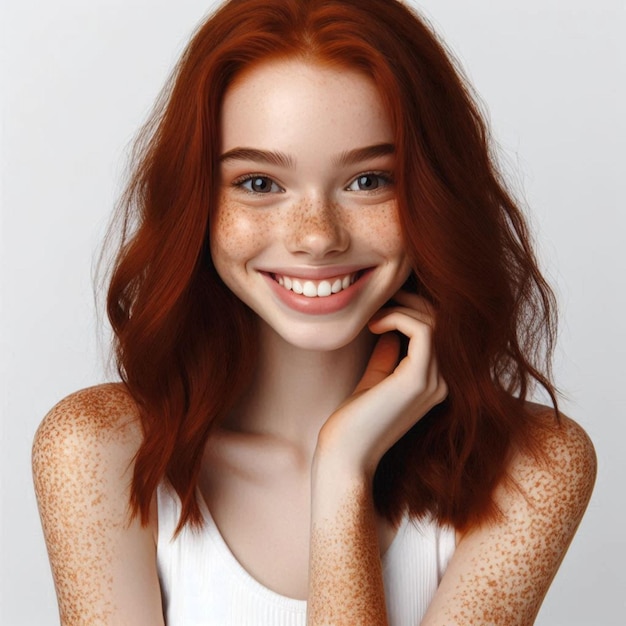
264,519
203,583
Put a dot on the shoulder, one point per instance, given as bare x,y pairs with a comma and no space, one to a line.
102,559
546,490
101,413
88,440
90,421
563,469
84,447
501,570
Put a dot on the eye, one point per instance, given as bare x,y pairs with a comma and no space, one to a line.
370,181
255,183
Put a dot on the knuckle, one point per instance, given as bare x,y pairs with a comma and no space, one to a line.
442,391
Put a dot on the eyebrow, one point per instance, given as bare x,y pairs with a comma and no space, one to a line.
349,157
260,156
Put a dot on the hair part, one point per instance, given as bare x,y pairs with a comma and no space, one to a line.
185,345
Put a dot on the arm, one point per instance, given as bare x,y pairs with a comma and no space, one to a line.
345,574
500,572
103,564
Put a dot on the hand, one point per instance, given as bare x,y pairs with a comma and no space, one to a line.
389,399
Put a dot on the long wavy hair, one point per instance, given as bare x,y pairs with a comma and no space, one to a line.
184,344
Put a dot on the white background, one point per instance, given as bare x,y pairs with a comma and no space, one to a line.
79,78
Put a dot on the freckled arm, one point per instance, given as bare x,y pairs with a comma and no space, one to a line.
345,573
501,572
103,565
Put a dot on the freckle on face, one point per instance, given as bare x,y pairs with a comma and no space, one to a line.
316,218
239,231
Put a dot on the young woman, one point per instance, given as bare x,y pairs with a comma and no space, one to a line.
328,319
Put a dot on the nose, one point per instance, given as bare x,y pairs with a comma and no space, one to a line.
317,229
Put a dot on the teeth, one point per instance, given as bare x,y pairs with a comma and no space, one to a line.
324,289
313,289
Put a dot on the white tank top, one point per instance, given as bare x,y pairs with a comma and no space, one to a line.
203,584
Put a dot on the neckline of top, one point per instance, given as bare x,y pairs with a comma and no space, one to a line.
241,573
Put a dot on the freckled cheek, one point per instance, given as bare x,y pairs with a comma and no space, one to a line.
237,233
379,226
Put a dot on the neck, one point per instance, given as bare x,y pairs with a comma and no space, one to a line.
294,391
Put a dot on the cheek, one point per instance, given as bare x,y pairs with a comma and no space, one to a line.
379,227
237,234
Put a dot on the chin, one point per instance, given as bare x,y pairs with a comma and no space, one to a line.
315,339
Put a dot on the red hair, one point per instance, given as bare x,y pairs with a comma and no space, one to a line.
185,344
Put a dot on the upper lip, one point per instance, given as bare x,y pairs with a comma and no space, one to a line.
315,273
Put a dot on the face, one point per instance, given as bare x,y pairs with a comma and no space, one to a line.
306,230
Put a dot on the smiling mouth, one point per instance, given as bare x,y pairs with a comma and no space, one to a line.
317,288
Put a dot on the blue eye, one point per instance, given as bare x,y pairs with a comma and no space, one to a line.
258,184
370,181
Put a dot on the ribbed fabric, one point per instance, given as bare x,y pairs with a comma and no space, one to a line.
203,584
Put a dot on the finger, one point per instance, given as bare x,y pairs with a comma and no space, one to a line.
413,301
382,362
416,314
405,320
436,383
419,332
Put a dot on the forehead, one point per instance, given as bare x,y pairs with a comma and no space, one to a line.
288,104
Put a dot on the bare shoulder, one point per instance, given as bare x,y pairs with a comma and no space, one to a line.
103,562
501,571
95,429
565,468
102,413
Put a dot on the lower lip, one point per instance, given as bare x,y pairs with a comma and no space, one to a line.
319,305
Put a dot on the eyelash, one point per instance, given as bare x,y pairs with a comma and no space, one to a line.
239,183
386,177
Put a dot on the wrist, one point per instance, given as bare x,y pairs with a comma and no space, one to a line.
337,484
340,465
